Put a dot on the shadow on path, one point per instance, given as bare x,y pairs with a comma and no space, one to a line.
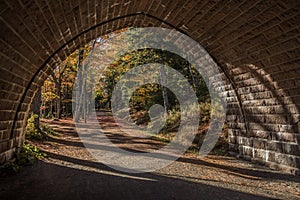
242,172
60,182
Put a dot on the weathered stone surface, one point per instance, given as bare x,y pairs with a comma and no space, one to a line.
257,50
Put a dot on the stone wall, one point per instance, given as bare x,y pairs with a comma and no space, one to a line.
270,106
255,43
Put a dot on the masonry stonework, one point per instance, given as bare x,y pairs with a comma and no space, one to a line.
255,43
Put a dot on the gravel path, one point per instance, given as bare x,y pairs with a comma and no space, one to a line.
70,172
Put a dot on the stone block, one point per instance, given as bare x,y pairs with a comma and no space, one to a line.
259,143
288,160
291,149
274,146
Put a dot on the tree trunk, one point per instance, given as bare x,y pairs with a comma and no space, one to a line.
58,93
84,99
192,76
51,108
36,109
164,89
58,108
78,87
82,92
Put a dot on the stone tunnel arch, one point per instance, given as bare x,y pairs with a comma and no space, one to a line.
255,43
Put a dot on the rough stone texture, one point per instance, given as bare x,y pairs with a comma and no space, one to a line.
255,43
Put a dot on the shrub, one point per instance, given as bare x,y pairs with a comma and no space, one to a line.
205,111
31,131
28,154
34,133
174,117
173,120
46,130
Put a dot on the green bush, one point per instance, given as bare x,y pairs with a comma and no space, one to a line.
46,130
31,131
204,111
25,155
34,133
174,117
9,168
173,120
28,154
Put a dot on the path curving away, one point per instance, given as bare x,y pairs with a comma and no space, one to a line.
70,172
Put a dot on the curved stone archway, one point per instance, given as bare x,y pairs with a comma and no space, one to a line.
256,44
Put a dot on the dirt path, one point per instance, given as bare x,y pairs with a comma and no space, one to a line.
70,172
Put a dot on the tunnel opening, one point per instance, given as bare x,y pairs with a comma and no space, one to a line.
260,62
54,99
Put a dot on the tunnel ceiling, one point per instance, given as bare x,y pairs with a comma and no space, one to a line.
255,43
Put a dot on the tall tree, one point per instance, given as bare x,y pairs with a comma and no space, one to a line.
57,79
164,89
36,109
78,86
82,104
58,87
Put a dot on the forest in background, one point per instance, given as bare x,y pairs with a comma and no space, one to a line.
56,93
